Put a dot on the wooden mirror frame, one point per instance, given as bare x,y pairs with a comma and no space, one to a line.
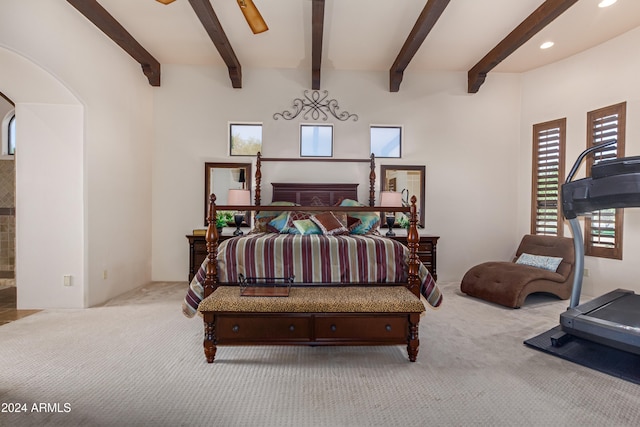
208,168
409,168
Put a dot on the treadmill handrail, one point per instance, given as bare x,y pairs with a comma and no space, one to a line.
584,154
578,243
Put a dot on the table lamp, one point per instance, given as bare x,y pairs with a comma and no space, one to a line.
238,197
390,199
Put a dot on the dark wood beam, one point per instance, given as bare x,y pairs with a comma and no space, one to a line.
426,21
317,31
535,22
102,19
211,24
6,98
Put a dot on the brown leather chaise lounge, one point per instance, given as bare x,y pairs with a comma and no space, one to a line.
509,283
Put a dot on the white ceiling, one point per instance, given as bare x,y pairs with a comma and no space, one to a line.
368,34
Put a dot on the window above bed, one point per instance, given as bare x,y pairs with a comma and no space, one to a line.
245,139
316,140
386,141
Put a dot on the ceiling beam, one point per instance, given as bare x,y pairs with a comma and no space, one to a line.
95,13
535,22
426,21
211,24
6,98
317,31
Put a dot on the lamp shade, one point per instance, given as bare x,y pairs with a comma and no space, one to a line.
239,197
391,199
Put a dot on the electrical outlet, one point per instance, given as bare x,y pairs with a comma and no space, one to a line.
104,274
586,272
67,279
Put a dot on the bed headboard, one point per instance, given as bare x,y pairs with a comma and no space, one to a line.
313,194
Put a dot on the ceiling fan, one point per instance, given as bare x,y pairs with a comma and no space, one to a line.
250,12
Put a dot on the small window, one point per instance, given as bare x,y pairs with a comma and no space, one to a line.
245,139
386,141
11,136
316,140
603,228
548,175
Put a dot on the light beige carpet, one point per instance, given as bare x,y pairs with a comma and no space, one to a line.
137,361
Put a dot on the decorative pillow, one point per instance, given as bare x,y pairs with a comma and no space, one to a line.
352,223
369,221
263,218
329,224
350,202
260,225
263,214
342,217
279,223
296,216
546,262
306,226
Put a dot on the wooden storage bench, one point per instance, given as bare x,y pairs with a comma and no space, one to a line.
313,315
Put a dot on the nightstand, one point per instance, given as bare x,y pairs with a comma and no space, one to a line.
198,248
427,248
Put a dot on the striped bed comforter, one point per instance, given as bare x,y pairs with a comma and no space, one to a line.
312,259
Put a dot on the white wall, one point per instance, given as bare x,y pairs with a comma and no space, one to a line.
468,144
107,161
143,148
599,77
49,204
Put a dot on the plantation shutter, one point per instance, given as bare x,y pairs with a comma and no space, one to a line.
548,175
603,229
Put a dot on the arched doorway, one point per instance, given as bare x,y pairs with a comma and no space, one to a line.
49,181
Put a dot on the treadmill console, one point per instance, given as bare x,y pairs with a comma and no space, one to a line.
613,184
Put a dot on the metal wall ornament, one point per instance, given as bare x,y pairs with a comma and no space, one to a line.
317,106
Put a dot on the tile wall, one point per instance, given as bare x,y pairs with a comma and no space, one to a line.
7,219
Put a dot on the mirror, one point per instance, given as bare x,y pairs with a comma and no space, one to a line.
219,178
408,180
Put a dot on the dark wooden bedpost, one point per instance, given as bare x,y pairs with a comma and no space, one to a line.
258,179
414,340
211,280
372,181
413,238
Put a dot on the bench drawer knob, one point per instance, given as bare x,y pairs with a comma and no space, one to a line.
333,328
388,328
235,328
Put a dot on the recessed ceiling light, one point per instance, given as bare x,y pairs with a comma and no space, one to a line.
546,45
606,3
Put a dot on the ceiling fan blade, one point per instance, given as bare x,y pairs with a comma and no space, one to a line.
253,17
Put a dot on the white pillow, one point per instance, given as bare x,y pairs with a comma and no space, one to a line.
550,263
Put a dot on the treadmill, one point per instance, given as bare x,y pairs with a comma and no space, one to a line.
612,319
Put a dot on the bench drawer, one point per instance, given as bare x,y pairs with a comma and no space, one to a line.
362,327
262,327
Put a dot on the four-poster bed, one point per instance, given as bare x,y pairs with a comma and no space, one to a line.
351,286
